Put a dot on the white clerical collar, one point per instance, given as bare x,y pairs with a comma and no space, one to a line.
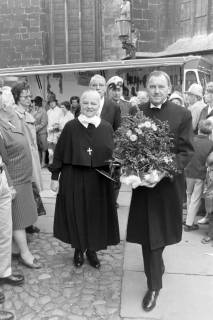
85,121
152,106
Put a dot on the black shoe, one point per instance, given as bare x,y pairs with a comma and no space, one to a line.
13,280
32,229
2,297
149,300
93,259
78,258
6,315
15,256
191,228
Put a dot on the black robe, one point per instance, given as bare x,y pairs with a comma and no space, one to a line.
155,217
85,212
111,113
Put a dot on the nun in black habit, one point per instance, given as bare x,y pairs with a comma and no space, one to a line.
85,212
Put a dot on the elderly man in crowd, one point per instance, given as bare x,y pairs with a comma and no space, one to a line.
108,110
194,98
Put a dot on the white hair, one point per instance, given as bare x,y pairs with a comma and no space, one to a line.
94,93
95,78
7,96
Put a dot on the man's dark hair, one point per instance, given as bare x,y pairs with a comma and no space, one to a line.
74,98
17,90
38,101
66,104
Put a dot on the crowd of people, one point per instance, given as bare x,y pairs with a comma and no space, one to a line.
75,140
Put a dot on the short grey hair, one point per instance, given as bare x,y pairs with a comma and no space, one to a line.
88,92
96,77
159,73
7,96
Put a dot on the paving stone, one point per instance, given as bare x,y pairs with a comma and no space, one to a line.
49,306
28,316
44,276
44,300
76,317
60,291
77,310
58,312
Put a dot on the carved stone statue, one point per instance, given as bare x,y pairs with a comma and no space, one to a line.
125,10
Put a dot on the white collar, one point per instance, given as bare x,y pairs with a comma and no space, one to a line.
152,106
85,121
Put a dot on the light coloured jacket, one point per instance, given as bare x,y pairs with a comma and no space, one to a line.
29,129
196,110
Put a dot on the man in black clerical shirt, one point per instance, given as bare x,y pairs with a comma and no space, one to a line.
155,216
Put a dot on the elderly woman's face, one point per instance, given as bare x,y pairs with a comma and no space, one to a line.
90,104
25,98
99,84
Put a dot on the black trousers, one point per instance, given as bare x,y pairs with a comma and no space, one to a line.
153,267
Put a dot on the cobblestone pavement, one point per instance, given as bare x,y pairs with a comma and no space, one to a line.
60,291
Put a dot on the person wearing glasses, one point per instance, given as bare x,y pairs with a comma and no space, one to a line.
19,166
108,110
22,96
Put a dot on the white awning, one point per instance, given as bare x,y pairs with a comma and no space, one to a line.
92,66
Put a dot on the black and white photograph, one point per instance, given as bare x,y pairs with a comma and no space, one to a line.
106,159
